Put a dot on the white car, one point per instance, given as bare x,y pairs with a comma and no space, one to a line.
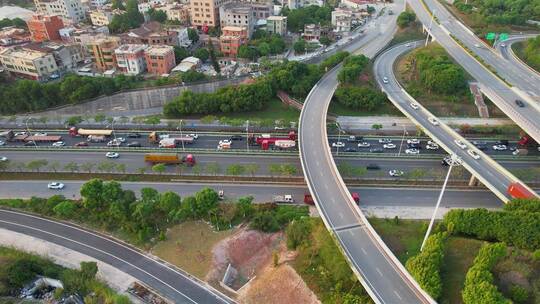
3,158
385,141
448,159
432,146
364,144
395,173
194,136
473,154
389,146
338,144
20,133
112,155
433,121
2,143
225,142
55,186
477,45
460,144
121,139
59,144
385,79
503,45
412,151
414,105
500,147
40,134
414,141
114,143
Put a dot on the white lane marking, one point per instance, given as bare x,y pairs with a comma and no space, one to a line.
397,294
379,271
363,250
341,215
352,234
118,243
99,250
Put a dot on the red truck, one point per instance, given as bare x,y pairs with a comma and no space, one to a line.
267,140
517,190
308,199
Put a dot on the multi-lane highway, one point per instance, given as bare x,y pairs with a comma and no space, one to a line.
478,163
505,50
502,95
381,274
410,196
170,282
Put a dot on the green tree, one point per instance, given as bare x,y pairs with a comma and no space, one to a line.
265,222
325,40
252,169
275,169
36,164
99,118
118,4
213,168
300,46
288,169
54,166
157,15
298,233
121,168
89,270
71,167
74,120
405,19
66,210
180,53
202,54
245,207
193,35
235,170
249,52
159,168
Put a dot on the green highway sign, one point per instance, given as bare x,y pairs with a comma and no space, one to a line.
490,36
503,36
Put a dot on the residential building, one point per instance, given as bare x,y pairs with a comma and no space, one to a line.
231,39
237,14
130,58
28,63
356,4
277,25
160,59
178,12
341,20
43,28
294,4
183,36
187,64
97,4
71,11
102,50
103,16
205,13
66,56
311,32
261,10
11,35
151,33
83,35
144,5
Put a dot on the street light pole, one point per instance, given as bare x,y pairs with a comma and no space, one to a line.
181,136
430,24
338,139
402,138
452,162
247,135
28,130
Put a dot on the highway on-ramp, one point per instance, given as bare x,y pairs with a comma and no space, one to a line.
169,282
381,274
502,95
493,175
505,50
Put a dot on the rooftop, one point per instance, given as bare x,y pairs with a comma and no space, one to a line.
233,28
238,8
276,18
19,52
159,49
130,48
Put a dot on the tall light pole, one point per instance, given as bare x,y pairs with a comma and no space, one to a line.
28,130
453,161
338,139
402,138
247,135
181,136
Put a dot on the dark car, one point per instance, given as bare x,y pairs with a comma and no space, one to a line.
236,137
520,103
133,135
134,144
349,149
502,142
481,147
479,143
81,144
414,146
376,150
373,167
30,143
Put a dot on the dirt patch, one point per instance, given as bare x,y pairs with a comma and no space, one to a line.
247,251
277,285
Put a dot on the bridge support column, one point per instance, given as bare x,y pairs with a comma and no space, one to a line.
473,182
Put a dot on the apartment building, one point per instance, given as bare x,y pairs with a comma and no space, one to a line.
66,56
237,14
233,37
103,16
102,50
130,58
11,35
97,4
160,59
205,13
151,33
28,63
178,12
311,32
43,28
277,25
71,11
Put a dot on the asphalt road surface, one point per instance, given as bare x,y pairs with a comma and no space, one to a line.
497,91
369,196
169,282
381,274
483,167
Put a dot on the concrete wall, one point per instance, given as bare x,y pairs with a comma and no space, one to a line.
136,102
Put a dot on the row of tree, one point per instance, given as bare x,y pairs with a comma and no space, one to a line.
405,19
16,22
479,284
502,12
131,19
425,267
518,228
28,95
297,18
262,44
531,53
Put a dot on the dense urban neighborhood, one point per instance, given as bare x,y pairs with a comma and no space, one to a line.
269,151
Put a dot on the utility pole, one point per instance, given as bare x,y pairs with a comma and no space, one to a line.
338,139
181,136
453,161
247,135
402,138
430,24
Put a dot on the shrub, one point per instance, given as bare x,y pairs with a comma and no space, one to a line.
519,294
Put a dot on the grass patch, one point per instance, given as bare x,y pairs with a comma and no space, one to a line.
409,33
189,246
518,268
403,237
339,109
459,255
275,110
519,50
